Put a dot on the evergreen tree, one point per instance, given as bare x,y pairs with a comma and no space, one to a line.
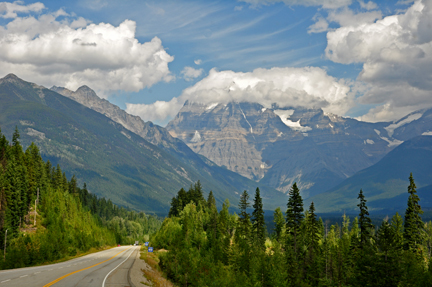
244,217
364,221
385,238
198,193
312,230
174,207
294,214
413,226
211,201
242,256
258,223
279,222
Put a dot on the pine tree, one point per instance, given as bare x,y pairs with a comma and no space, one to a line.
385,238
279,222
258,223
294,214
243,235
413,226
198,193
211,201
244,217
364,221
174,207
312,230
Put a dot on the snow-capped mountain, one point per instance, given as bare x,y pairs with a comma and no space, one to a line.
278,146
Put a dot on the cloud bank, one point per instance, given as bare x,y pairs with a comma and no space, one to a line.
288,87
396,53
55,48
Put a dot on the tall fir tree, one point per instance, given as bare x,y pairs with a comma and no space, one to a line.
364,221
313,234
211,201
258,223
244,217
279,223
413,226
294,215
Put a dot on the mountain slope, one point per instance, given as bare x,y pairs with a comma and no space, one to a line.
114,162
280,146
385,183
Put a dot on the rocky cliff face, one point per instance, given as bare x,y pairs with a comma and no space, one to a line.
280,146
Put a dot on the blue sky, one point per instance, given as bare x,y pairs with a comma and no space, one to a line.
231,38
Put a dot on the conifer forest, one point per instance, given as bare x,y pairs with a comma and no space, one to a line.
45,217
207,247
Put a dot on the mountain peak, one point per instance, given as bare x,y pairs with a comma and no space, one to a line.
85,88
10,78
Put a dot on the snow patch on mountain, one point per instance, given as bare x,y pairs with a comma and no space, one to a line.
392,142
196,138
369,141
410,118
284,116
212,106
428,133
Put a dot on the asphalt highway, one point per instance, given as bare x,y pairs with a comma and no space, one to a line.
106,268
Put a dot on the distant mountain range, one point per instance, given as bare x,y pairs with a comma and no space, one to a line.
229,147
283,145
135,164
385,183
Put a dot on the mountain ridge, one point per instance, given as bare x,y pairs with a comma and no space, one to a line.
115,162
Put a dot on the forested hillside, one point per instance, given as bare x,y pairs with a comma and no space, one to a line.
46,217
211,248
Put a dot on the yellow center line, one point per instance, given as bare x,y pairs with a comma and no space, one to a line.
64,276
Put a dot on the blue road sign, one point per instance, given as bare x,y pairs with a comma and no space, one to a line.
150,249
146,244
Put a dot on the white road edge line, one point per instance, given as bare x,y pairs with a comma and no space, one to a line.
5,281
103,283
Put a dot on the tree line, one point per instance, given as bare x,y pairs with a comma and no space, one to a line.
46,217
208,247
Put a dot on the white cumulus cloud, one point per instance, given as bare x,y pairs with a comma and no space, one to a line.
10,10
396,53
321,25
159,111
288,87
190,73
72,52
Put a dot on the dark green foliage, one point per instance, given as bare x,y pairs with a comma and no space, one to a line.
258,223
183,198
294,215
211,201
365,222
413,226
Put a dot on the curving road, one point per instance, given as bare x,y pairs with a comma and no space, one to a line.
106,268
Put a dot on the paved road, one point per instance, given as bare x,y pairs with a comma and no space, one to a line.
106,268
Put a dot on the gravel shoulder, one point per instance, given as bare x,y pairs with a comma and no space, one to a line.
136,276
